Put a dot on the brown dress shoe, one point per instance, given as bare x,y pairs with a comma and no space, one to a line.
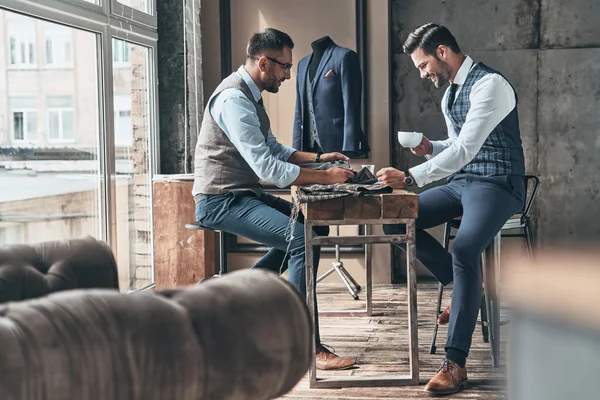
444,317
451,378
326,359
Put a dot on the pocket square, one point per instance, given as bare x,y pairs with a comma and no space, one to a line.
330,73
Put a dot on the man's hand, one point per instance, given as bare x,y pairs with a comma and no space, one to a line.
339,175
391,177
425,147
330,157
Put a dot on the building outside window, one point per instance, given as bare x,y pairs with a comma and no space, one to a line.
23,111
57,95
58,46
120,54
21,43
123,122
60,118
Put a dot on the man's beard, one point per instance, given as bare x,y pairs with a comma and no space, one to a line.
443,74
270,85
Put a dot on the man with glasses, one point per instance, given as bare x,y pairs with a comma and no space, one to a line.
236,149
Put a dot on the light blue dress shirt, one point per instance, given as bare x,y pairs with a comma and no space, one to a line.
237,117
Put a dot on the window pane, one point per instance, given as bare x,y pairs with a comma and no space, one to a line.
132,147
63,201
18,125
53,125
140,5
67,125
13,50
31,120
48,51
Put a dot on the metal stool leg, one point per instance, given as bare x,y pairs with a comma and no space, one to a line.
484,320
490,270
338,267
222,254
433,347
446,244
528,237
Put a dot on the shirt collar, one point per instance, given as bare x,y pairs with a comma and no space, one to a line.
250,82
463,71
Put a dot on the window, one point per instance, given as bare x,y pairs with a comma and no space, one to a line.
140,5
120,54
57,46
12,233
60,118
24,119
123,123
21,43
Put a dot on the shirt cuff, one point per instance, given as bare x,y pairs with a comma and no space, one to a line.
436,148
419,174
289,176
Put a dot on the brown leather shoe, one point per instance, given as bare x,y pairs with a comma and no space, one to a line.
444,317
326,359
451,378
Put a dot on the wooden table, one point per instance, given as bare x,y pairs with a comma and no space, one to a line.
399,207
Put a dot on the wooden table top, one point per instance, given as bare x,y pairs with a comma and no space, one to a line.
398,204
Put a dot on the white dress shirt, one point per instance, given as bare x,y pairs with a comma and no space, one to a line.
492,99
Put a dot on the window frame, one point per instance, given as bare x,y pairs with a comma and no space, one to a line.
60,111
107,20
23,110
57,38
31,46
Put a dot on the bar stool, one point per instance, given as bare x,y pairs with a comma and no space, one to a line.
222,245
490,306
338,266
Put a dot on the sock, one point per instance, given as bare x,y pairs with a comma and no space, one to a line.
457,356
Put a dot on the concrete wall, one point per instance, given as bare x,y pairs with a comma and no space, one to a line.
548,49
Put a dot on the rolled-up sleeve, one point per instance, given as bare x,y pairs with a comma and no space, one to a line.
236,116
279,150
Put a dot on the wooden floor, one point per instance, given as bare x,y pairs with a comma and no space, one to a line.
380,344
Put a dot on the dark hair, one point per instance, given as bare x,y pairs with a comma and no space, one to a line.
428,37
269,40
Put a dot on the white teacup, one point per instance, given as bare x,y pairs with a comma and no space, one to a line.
410,139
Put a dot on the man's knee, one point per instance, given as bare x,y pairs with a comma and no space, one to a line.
395,229
466,254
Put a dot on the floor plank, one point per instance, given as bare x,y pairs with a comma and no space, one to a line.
380,344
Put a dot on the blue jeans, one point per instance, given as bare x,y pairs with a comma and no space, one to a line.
264,219
485,204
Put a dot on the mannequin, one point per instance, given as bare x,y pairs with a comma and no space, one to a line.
328,101
319,46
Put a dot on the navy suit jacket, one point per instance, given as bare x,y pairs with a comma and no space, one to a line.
336,101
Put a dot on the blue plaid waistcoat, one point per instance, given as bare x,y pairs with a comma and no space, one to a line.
502,152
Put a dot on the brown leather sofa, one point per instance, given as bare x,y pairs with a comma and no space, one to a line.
245,336
31,271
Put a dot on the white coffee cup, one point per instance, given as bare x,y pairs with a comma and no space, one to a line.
410,139
370,167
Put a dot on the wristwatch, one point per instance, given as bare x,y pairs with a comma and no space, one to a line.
408,180
318,159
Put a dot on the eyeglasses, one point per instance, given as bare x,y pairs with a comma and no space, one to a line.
288,67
